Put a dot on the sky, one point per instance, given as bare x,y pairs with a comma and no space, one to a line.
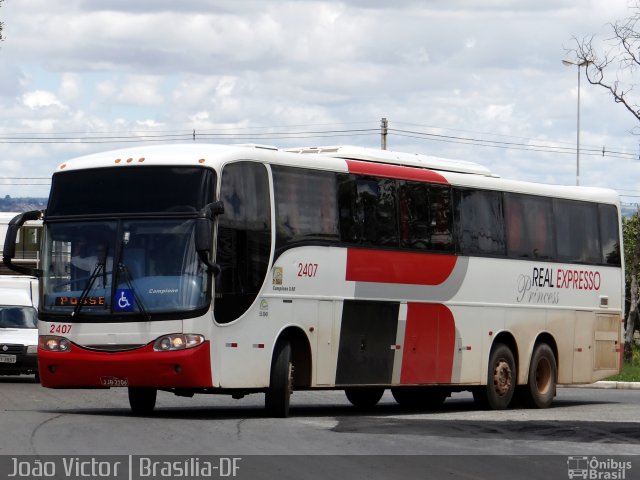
466,79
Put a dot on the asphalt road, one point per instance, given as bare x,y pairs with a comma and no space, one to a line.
581,422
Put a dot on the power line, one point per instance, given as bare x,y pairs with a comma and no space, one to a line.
201,135
545,148
307,132
571,145
258,133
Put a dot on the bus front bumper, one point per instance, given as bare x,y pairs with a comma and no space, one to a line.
142,367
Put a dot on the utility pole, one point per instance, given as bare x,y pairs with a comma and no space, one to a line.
568,63
384,124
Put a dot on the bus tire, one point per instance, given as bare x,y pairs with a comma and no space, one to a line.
364,397
501,380
420,397
278,394
543,376
142,400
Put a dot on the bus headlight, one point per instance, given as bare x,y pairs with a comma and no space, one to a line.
52,343
177,341
32,349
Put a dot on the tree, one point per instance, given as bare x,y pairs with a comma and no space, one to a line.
1,24
630,233
613,65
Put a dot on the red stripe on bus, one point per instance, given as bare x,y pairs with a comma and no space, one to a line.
429,344
395,171
143,367
385,266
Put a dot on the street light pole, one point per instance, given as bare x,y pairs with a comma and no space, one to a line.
568,64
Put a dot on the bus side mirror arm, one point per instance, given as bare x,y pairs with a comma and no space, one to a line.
212,210
9,250
203,238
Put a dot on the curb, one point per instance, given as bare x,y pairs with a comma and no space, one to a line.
608,385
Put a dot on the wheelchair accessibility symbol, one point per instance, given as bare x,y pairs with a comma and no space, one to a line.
124,301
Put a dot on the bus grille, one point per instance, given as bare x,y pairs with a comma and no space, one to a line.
12,349
112,347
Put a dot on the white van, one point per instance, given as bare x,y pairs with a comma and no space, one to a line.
18,325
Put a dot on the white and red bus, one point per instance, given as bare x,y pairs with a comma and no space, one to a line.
245,269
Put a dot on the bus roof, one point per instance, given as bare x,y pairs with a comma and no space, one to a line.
462,173
191,153
456,172
396,158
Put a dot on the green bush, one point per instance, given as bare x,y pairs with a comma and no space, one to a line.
630,370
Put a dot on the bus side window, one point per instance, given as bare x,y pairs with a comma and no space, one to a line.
578,231
368,210
305,204
514,217
414,215
349,222
529,224
479,222
440,217
609,234
425,216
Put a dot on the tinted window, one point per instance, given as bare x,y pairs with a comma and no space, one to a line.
367,210
529,225
479,222
18,317
578,233
609,233
306,205
244,238
130,190
425,216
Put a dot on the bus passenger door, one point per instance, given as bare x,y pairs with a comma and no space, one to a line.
244,239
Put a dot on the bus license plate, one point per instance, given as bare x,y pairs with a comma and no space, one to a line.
114,382
7,359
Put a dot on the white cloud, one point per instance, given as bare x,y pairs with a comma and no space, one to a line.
461,66
502,113
41,99
149,123
132,90
70,87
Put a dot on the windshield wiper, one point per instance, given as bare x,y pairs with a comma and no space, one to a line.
100,267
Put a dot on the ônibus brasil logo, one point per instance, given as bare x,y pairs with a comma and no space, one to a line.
593,468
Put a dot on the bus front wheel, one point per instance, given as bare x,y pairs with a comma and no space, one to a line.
501,379
281,382
142,400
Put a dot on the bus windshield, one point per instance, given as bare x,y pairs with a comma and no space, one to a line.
123,268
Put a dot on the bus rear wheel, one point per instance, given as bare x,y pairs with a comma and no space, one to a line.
420,397
501,379
364,397
280,388
142,400
543,375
